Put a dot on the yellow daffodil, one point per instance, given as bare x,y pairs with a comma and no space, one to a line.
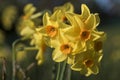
64,49
37,40
87,62
83,27
51,27
79,31
26,25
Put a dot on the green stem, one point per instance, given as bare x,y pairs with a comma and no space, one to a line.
68,73
58,72
14,58
30,48
63,70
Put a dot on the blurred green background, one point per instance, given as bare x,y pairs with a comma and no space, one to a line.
109,11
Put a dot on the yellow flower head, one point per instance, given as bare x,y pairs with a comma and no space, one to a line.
64,48
87,62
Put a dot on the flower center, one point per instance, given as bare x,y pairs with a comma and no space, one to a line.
88,63
85,35
98,45
51,31
66,49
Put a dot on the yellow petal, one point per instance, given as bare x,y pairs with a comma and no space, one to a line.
94,69
27,8
68,7
80,23
85,12
70,59
84,71
70,33
77,66
40,57
42,30
57,15
58,56
98,35
27,31
97,19
75,22
90,22
54,43
46,19
70,17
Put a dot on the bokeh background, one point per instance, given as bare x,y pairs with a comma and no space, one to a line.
109,11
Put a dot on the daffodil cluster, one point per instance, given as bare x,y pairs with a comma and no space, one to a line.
74,37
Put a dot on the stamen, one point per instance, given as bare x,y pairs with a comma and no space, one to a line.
51,31
66,49
85,35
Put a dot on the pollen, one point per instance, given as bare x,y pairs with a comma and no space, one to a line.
66,48
51,31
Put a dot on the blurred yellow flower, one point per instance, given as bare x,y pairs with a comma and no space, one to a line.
74,37
87,62
64,49
38,42
9,15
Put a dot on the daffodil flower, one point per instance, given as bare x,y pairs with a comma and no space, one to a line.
38,41
64,49
51,27
83,28
87,62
